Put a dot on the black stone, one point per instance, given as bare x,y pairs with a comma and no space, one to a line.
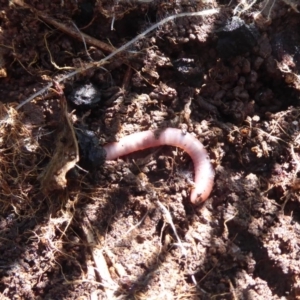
188,70
92,154
236,38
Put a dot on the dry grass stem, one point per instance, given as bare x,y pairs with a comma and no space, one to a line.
100,262
170,221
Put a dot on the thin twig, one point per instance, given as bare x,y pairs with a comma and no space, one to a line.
66,29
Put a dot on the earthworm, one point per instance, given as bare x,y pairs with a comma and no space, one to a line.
204,173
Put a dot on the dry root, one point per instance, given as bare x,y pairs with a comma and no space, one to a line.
20,155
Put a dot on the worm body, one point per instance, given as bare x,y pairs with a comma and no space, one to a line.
204,173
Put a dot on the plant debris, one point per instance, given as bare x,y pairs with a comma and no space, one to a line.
66,153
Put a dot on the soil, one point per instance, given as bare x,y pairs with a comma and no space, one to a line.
74,226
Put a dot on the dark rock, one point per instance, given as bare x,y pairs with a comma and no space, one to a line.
236,38
188,70
92,154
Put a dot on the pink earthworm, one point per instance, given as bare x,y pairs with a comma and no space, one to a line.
204,172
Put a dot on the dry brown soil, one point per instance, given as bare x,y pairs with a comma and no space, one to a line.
126,229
